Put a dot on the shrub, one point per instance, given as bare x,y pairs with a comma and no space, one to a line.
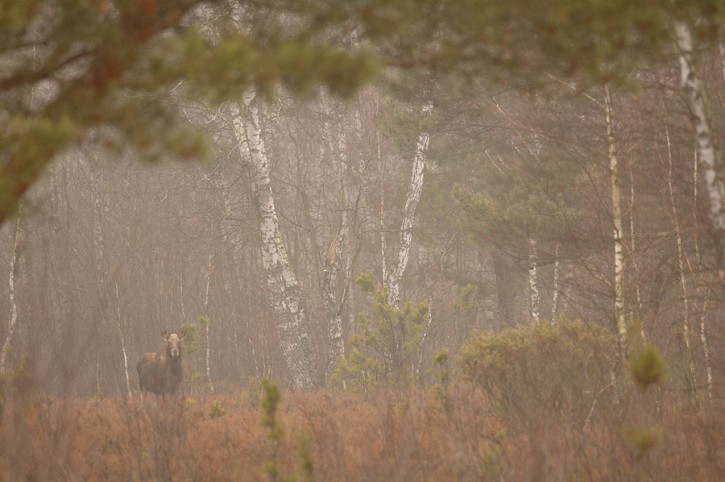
385,348
540,372
647,365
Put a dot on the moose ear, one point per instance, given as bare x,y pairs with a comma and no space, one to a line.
164,334
182,334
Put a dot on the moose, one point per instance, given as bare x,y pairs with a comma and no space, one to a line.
160,372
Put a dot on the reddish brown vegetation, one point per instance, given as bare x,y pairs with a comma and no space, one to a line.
385,436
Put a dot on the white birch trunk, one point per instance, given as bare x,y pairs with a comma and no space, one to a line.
411,203
12,279
708,154
633,249
617,231
286,296
332,306
335,254
534,301
209,273
555,295
682,272
706,346
119,319
383,249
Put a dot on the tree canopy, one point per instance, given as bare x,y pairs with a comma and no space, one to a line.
104,70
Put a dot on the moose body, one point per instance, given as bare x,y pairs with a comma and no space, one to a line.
160,372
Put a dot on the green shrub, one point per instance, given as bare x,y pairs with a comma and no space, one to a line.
386,346
647,365
217,410
542,372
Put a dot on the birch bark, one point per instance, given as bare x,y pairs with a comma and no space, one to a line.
286,295
683,281
533,282
119,319
335,255
555,294
411,203
209,273
12,279
708,154
617,231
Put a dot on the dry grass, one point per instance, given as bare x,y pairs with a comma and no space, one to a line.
383,436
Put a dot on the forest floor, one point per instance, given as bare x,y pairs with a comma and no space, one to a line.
333,436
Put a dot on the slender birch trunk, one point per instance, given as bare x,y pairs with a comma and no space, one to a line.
286,295
119,319
209,273
633,249
533,282
708,154
411,203
617,231
335,255
706,346
12,280
334,308
381,224
706,289
555,294
683,281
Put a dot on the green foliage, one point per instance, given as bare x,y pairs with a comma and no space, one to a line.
647,365
217,410
540,371
254,391
304,454
441,388
524,200
191,337
385,347
366,282
642,439
203,321
110,67
494,462
270,404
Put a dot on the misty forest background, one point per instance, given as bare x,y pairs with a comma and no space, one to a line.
517,141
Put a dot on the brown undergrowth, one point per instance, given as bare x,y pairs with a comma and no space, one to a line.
387,435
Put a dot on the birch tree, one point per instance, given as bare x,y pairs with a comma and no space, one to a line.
685,324
618,281
411,203
533,281
207,321
285,292
12,282
335,259
708,153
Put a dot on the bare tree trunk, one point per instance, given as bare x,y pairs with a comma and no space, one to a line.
691,379
534,307
555,294
119,318
383,249
209,273
618,234
12,279
286,295
706,346
335,255
411,203
633,249
708,153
